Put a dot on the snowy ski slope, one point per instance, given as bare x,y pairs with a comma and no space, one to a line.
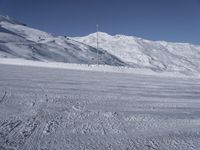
59,109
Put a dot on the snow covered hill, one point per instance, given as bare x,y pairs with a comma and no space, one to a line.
19,41
141,53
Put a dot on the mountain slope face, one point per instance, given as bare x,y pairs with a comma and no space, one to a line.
19,41
141,53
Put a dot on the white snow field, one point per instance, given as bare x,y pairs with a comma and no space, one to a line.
63,109
94,67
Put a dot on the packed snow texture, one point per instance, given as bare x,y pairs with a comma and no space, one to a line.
59,109
141,53
94,67
20,41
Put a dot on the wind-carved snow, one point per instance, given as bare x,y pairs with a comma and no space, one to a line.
141,53
48,108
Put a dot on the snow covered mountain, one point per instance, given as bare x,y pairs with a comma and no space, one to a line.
19,41
141,53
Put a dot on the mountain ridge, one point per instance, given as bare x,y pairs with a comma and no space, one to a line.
19,41
156,55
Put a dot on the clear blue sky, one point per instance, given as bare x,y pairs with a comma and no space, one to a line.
170,20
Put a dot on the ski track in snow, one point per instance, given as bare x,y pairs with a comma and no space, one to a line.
60,109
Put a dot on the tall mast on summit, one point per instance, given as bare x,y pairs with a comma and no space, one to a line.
97,44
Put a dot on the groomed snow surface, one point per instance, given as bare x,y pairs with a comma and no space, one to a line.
94,67
63,109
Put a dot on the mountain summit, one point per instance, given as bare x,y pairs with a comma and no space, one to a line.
142,53
19,41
